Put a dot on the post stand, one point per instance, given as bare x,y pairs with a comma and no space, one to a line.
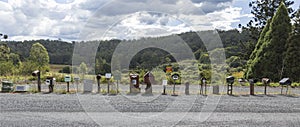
187,88
164,90
39,82
205,88
117,86
201,89
265,89
203,84
98,77
174,91
287,89
77,83
68,85
38,74
99,88
251,88
108,86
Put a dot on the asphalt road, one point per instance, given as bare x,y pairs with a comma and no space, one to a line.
17,109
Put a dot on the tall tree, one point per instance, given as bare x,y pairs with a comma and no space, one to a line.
292,68
268,61
4,52
39,56
262,11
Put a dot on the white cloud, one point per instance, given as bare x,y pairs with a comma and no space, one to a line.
67,19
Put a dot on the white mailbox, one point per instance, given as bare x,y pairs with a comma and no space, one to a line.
67,78
165,82
108,75
22,88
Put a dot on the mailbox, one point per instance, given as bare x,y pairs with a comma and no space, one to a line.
108,75
76,78
266,80
134,83
230,79
36,73
203,80
252,82
134,80
50,83
175,76
148,79
7,86
285,81
67,78
98,76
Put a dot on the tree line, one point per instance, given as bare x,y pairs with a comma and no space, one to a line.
267,47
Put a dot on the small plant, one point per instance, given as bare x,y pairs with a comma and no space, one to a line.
113,92
33,90
103,91
61,91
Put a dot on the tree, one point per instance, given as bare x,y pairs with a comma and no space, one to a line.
262,11
39,56
8,60
83,69
292,68
268,61
4,52
234,62
204,58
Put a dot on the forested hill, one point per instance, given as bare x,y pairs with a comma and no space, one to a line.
60,52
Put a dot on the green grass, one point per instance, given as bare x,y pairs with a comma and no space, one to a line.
57,67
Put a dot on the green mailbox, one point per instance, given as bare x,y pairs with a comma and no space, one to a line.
7,86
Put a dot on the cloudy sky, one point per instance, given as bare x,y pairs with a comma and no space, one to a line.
123,19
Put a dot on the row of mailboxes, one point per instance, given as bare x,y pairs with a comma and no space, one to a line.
266,81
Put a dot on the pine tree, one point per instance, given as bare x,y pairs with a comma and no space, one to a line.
254,54
268,61
292,59
263,11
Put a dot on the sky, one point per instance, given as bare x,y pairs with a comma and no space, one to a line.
75,20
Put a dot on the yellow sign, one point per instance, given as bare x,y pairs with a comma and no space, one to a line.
169,69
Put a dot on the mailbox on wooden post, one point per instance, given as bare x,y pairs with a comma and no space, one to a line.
38,75
134,83
164,83
266,82
98,82
252,82
203,85
68,80
50,83
285,82
108,77
175,77
148,79
230,81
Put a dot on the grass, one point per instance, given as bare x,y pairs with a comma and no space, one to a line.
57,67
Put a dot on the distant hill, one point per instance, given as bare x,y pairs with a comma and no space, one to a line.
236,44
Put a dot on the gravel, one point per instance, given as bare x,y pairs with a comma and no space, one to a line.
22,109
